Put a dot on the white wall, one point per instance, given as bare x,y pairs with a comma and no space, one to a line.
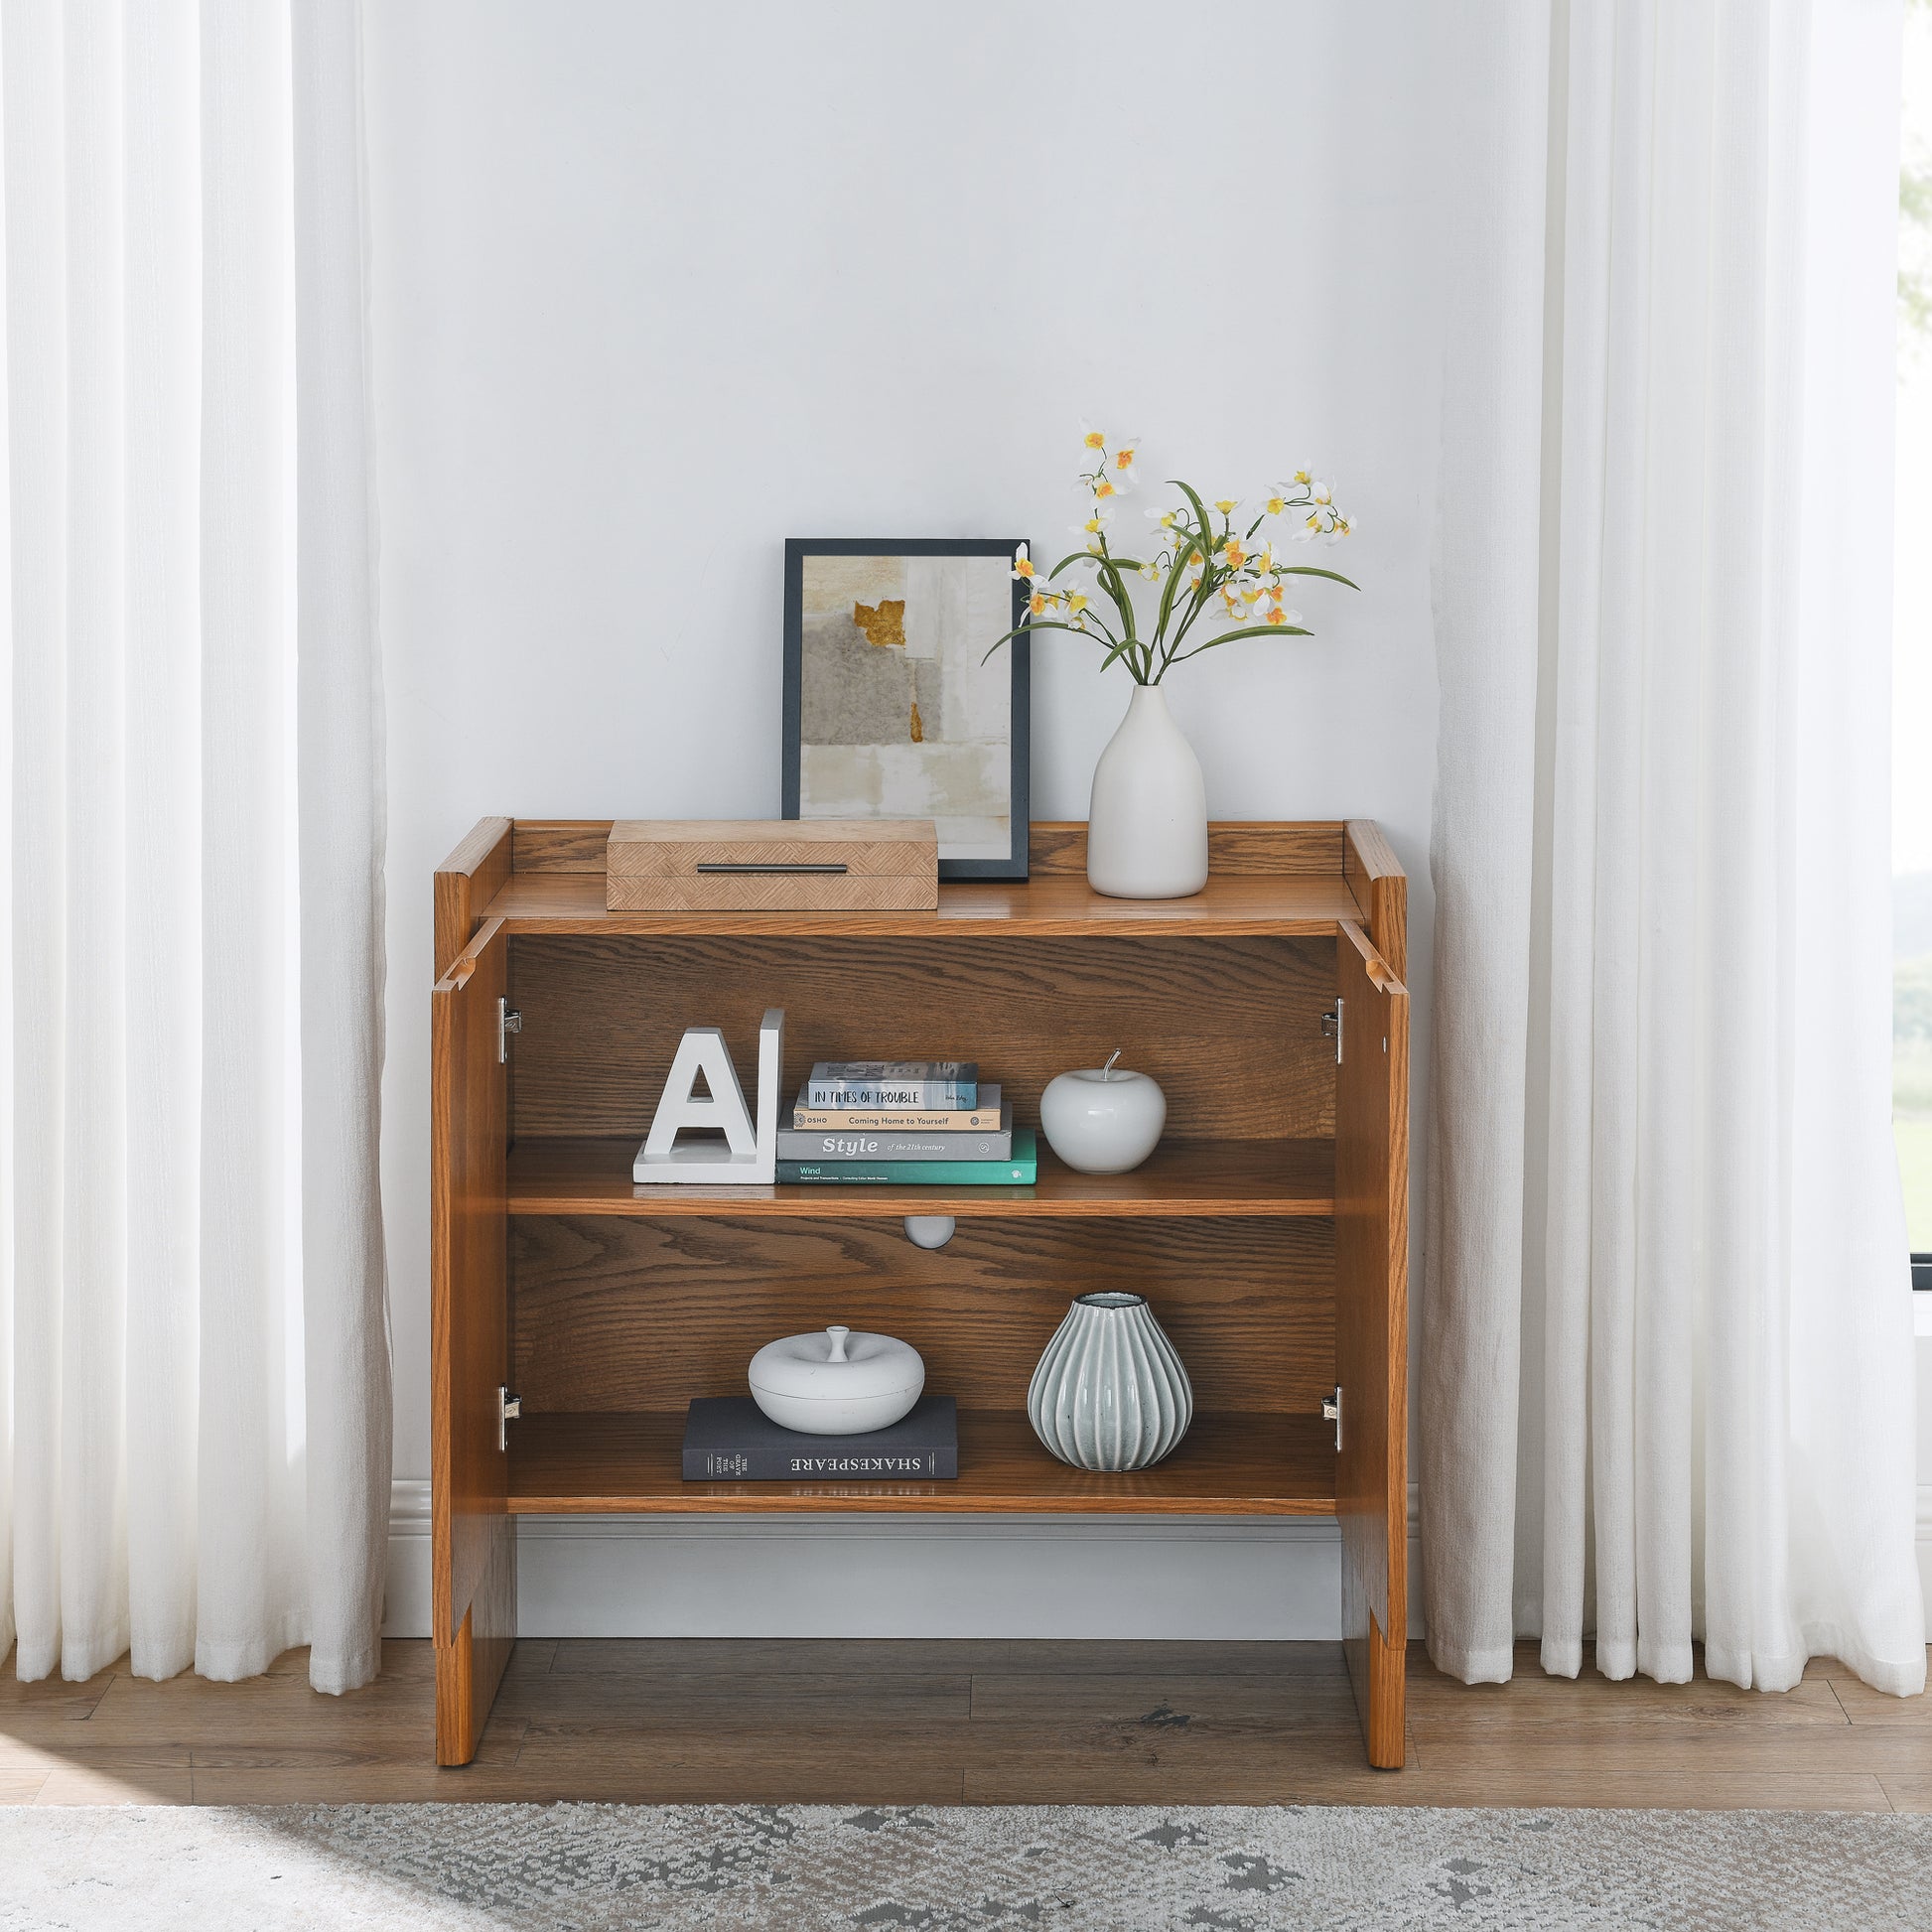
659,286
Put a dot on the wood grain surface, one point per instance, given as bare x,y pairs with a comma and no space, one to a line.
465,882
621,1300
1232,1032
655,865
1381,889
562,845
1372,1330
1051,906
1240,1464
473,1556
1234,846
623,1313
1255,1180
765,1721
656,846
1055,847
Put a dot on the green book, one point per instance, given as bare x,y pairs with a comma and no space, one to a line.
1023,1171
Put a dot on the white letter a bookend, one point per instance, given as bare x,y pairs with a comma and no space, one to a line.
746,1155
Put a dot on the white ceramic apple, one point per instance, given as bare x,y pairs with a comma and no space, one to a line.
1103,1119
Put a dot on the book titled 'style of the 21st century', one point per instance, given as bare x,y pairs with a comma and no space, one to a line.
730,1438
1022,1169
935,1087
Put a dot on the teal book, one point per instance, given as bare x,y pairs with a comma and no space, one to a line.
1023,1171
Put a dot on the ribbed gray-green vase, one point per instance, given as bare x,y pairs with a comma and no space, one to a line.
1110,1392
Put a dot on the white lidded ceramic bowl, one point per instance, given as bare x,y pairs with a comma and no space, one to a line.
835,1382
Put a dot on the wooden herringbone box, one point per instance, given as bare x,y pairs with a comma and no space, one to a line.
773,865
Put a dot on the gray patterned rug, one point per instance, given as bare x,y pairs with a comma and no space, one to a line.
545,1869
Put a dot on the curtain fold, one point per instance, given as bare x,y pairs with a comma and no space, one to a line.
1667,1382
197,1367
339,759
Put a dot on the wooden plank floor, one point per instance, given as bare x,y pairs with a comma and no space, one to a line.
945,1722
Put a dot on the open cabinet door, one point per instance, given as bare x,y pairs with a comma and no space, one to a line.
1372,1333
474,1554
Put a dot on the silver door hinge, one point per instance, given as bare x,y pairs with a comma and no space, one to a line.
1332,1028
1332,1412
509,1409
509,1020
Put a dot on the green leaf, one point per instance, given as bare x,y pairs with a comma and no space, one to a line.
1038,624
1110,578
1230,637
1253,631
1200,509
1184,547
1309,570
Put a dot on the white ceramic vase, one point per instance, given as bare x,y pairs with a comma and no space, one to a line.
1147,824
1110,1392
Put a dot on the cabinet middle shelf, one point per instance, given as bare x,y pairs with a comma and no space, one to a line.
1249,1465
1261,1179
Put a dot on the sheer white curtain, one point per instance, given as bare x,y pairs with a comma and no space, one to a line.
1667,1359
195,1397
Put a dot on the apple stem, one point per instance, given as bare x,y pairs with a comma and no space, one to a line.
1107,1071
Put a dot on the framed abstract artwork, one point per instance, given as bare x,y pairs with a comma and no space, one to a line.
892,708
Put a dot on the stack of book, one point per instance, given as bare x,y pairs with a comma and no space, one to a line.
905,1123
728,1440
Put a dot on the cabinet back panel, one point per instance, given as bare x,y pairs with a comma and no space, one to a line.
622,1313
1231,1030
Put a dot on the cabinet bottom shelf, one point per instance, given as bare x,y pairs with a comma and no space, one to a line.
1252,1464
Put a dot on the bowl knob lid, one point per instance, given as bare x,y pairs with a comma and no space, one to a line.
838,1335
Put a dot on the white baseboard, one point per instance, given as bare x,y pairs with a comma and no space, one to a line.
1205,1577
406,1608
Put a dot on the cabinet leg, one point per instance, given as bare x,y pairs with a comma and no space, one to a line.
471,1666
1376,1668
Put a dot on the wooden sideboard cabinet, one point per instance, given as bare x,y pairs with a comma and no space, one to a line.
1269,1229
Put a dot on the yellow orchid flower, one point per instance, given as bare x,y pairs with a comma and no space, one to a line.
1231,579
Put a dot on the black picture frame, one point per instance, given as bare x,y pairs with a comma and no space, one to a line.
1019,657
